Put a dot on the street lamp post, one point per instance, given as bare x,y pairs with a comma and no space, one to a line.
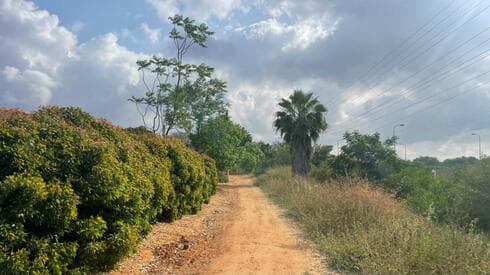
479,144
394,129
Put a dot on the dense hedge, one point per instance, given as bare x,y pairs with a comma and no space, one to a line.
77,194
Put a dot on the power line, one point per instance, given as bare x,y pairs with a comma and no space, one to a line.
434,95
425,99
395,49
434,77
461,25
429,107
417,39
487,52
435,44
407,57
426,80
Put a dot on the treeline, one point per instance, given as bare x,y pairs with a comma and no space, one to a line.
454,191
352,203
368,211
77,194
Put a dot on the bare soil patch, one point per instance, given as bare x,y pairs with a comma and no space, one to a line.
239,232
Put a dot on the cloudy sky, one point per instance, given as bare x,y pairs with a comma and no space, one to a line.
373,63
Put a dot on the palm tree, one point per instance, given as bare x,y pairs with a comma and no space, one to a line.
300,122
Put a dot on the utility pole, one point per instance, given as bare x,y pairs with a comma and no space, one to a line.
394,135
479,144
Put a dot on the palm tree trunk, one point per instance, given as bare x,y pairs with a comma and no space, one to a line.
299,160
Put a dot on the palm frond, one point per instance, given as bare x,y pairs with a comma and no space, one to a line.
301,118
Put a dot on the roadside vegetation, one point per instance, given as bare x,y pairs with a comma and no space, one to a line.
77,193
369,211
187,100
361,228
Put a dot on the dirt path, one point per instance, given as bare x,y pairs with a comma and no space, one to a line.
239,232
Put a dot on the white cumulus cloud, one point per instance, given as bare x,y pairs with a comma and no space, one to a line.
200,9
41,63
32,48
152,34
292,28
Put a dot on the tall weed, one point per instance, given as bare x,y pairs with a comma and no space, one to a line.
361,229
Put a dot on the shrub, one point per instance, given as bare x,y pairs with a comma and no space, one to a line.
77,194
361,229
275,155
474,185
223,176
322,172
424,193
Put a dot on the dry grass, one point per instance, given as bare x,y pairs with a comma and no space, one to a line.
361,229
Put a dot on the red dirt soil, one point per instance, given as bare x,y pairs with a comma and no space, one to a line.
239,232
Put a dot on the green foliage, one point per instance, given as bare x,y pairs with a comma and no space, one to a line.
321,161
459,197
223,176
460,162
205,99
408,181
278,154
427,161
178,95
223,140
189,177
361,229
300,122
251,157
77,194
448,167
474,184
321,153
367,157
424,193
322,172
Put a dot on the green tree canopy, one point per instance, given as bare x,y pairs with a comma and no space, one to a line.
179,96
277,154
366,156
460,162
223,140
251,158
300,122
475,182
321,153
427,161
